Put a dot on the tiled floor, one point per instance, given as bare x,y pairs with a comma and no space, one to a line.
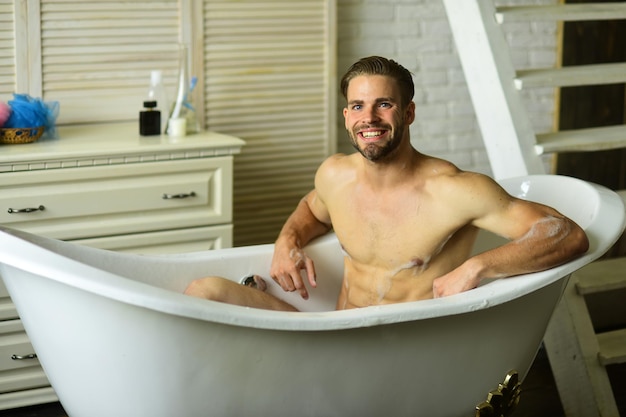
539,395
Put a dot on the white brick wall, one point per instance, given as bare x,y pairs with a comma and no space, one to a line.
416,34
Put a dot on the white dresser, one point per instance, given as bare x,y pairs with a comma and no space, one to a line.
106,186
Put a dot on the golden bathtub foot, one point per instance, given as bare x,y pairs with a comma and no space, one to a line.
502,401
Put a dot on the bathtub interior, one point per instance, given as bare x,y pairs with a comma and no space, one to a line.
160,280
167,276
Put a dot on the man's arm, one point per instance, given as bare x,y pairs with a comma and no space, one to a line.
540,238
309,220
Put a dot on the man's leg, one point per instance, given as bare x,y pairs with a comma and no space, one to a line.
226,291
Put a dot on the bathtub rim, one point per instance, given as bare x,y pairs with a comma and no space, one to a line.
143,295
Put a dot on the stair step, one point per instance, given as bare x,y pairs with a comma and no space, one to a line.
612,347
603,275
592,139
565,12
613,73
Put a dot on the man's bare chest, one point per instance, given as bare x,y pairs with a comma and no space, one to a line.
391,236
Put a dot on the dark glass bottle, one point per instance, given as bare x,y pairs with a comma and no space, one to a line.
149,119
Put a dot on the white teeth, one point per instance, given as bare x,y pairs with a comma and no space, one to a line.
372,134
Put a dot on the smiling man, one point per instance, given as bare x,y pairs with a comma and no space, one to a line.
406,221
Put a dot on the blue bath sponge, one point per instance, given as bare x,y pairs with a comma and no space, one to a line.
27,111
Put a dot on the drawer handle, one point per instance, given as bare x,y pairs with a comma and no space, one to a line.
24,357
175,196
27,209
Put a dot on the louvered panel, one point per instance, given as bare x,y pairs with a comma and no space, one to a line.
291,50
257,120
274,190
266,156
261,121
232,98
273,177
264,203
249,224
7,51
267,72
278,190
277,184
263,14
273,217
269,130
97,55
302,160
250,91
225,84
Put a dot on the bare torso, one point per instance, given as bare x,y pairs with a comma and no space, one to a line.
404,276
396,240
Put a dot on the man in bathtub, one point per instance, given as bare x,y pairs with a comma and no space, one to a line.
406,221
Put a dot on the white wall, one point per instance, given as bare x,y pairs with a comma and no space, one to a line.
416,34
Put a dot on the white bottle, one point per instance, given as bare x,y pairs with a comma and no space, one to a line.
157,93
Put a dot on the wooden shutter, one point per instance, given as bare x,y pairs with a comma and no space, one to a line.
96,56
7,50
269,68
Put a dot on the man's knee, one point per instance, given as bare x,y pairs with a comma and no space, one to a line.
210,288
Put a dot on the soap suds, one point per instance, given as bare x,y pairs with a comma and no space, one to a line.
296,256
549,226
345,253
384,283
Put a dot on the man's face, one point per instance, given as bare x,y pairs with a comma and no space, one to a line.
374,117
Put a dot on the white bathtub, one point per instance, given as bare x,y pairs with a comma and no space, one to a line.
117,338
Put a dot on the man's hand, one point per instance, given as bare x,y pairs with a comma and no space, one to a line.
287,262
455,281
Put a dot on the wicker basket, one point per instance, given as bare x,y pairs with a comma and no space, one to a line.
16,135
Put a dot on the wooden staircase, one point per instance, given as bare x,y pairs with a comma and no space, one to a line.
577,354
512,145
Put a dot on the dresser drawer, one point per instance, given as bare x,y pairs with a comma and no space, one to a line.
7,308
19,387
16,373
168,241
15,348
81,202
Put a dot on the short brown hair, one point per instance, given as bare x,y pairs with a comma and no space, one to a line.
376,65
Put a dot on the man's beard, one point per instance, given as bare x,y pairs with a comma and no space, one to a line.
376,152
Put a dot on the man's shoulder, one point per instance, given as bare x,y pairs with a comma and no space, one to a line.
340,158
337,163
335,169
439,172
447,176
